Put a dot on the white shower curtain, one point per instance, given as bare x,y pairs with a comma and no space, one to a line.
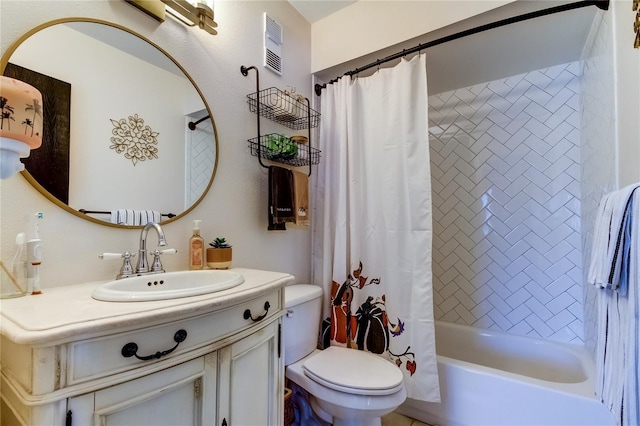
373,234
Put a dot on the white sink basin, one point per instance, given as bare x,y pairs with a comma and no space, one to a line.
167,285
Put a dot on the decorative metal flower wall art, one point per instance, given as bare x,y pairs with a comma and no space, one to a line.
135,140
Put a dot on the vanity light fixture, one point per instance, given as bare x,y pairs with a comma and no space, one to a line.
191,13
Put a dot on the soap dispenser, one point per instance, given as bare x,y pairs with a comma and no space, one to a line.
196,248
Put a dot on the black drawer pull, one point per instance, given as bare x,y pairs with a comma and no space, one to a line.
247,313
131,349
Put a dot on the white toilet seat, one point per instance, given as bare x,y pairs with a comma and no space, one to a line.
352,371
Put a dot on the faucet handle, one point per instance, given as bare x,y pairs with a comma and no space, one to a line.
127,269
157,264
111,256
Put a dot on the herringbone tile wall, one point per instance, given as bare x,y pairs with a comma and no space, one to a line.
201,157
505,165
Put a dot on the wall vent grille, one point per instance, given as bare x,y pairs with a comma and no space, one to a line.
272,45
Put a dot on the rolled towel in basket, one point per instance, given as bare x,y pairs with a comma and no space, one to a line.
286,107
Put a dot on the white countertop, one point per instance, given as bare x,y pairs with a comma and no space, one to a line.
62,313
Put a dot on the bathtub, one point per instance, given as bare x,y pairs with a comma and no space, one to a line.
491,378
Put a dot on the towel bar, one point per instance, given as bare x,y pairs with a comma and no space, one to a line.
169,215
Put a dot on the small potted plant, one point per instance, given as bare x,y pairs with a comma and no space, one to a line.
219,254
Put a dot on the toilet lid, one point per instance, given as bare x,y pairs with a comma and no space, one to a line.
353,371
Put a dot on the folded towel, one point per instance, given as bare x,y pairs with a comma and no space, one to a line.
281,198
301,198
286,107
134,217
273,99
609,266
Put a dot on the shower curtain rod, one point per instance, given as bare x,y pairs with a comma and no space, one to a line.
600,4
193,125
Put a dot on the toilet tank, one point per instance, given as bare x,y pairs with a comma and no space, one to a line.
301,326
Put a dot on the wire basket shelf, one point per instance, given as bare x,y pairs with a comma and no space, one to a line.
302,156
283,108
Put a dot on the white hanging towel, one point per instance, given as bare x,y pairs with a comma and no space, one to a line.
134,217
615,268
611,241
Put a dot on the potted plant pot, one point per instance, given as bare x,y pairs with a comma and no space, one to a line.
219,255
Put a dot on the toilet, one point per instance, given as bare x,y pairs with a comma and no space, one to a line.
345,386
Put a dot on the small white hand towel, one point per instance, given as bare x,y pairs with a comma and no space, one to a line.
134,217
115,216
154,216
146,216
140,217
120,217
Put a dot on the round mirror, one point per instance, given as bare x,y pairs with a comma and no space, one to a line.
127,137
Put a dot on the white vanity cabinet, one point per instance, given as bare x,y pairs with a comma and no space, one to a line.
175,396
235,385
206,360
247,391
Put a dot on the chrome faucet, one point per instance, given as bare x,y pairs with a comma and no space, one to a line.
143,265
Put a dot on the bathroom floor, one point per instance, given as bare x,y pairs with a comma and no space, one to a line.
396,419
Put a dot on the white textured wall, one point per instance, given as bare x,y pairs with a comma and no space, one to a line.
372,25
235,206
505,159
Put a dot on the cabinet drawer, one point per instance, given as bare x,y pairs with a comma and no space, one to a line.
94,358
